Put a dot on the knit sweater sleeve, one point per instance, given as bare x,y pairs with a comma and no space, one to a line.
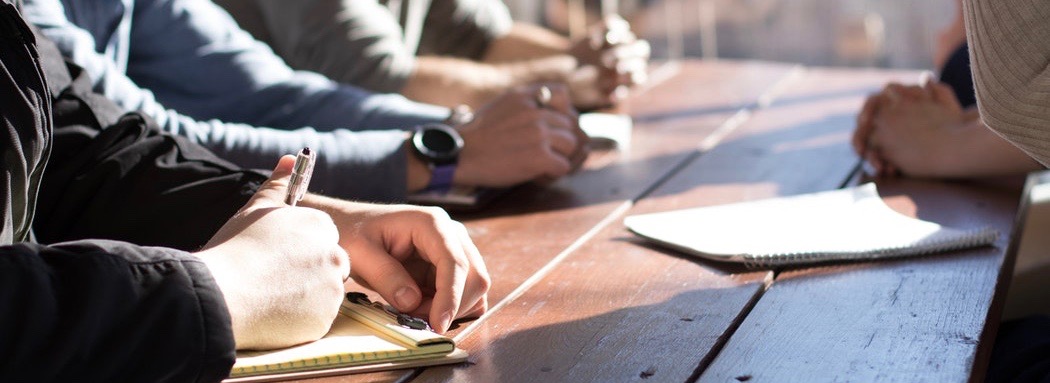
1010,54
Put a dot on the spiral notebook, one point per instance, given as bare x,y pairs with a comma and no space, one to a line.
842,225
365,337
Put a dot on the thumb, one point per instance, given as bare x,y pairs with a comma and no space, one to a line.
273,191
387,276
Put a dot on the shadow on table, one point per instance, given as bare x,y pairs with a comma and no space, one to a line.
804,157
722,268
778,156
667,341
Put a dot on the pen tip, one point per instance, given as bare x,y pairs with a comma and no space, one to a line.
306,150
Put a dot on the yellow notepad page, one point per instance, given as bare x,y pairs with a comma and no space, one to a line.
360,336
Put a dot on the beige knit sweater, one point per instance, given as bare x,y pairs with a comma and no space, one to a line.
1010,55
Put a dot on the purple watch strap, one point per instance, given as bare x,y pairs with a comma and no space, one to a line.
441,178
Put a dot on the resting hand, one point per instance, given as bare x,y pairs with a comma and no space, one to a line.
513,140
908,129
417,258
280,268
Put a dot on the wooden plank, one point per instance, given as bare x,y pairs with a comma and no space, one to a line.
618,310
524,231
907,320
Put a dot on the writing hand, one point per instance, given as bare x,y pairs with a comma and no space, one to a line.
280,268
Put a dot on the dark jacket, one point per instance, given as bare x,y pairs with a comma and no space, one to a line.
99,212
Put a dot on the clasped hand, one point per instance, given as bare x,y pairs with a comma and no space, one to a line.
514,139
610,59
909,130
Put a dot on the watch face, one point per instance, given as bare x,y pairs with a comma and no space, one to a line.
438,143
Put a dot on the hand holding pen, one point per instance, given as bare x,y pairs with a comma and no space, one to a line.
391,246
288,257
301,173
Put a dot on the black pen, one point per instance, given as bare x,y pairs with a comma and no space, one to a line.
301,172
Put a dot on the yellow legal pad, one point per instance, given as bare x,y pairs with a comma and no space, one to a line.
363,338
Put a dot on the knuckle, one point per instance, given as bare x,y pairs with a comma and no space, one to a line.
534,134
316,217
484,282
557,88
391,269
338,259
532,116
437,214
460,227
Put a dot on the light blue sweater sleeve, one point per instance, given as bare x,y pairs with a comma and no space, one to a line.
197,60
224,85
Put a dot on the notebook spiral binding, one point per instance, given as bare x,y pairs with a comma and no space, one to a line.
984,236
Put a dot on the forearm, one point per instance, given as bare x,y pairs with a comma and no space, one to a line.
524,42
205,66
1009,55
355,165
977,151
452,81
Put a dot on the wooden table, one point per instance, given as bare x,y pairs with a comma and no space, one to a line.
578,298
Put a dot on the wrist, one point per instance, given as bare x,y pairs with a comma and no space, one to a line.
557,68
418,173
437,146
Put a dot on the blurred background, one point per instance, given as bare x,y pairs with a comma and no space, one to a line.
875,33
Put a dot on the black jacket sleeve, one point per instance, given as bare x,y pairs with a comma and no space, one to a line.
98,310
106,311
117,176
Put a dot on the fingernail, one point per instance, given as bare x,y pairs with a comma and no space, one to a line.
446,321
406,298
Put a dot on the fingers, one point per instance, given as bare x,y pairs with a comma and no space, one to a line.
561,140
422,262
342,261
559,98
874,157
552,165
477,288
564,135
563,146
865,124
450,282
877,157
386,275
461,279
910,92
627,57
944,95
614,30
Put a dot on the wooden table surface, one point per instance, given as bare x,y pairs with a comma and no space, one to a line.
577,298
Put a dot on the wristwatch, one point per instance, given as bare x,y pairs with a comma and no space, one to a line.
438,145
